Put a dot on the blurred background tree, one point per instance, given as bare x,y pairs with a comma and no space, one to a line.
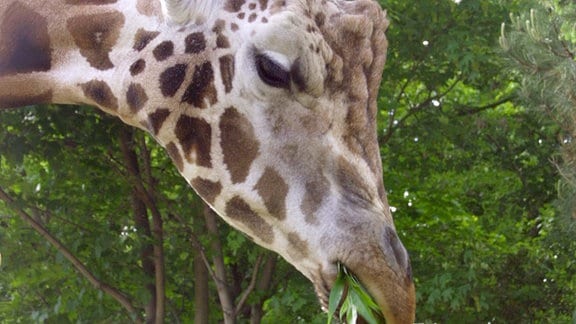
472,136
541,47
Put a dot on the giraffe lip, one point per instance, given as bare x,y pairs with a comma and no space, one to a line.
323,285
322,292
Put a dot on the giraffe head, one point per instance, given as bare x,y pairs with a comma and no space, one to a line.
294,159
267,108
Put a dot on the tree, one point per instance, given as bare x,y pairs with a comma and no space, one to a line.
467,168
541,46
122,218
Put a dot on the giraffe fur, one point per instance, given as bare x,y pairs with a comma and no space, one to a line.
266,107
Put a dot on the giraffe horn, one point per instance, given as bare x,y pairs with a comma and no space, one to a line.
182,12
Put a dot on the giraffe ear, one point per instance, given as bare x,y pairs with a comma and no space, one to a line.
182,12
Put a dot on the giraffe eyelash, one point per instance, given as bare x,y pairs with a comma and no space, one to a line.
271,72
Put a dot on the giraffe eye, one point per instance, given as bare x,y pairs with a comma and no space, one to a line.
272,73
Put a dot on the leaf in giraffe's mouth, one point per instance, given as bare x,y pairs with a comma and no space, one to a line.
352,300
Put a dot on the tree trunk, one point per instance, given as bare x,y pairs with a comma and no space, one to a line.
263,285
224,294
141,221
146,254
115,293
201,293
152,254
157,234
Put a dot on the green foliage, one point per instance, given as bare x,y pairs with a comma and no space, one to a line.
468,170
541,47
67,171
353,300
293,301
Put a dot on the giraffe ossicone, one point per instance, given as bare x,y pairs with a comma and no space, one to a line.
267,108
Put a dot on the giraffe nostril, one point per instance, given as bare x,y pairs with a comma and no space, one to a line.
396,253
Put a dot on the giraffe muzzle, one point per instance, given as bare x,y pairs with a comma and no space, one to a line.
384,270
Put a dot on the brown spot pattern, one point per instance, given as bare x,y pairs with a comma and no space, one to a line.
238,210
273,190
136,97
263,4
320,19
234,5
96,35
143,38
252,17
171,79
299,246
277,5
195,136
163,51
227,71
195,43
25,43
99,92
157,119
137,67
174,154
90,2
207,189
219,26
316,191
21,101
222,41
201,88
148,8
239,144
352,184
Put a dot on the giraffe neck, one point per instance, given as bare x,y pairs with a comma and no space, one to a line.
267,108
48,52
126,61
104,53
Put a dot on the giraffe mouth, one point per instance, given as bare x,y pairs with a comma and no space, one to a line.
383,272
323,292
322,285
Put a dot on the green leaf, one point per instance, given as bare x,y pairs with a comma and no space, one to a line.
336,295
356,300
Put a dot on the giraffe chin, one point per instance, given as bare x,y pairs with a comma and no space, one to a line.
382,265
388,278
395,296
396,301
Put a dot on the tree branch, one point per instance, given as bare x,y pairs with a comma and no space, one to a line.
126,139
470,110
201,290
197,245
140,217
224,294
251,286
264,286
78,265
396,124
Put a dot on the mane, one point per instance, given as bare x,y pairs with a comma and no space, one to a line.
355,31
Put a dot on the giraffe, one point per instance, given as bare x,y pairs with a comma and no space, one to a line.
267,109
